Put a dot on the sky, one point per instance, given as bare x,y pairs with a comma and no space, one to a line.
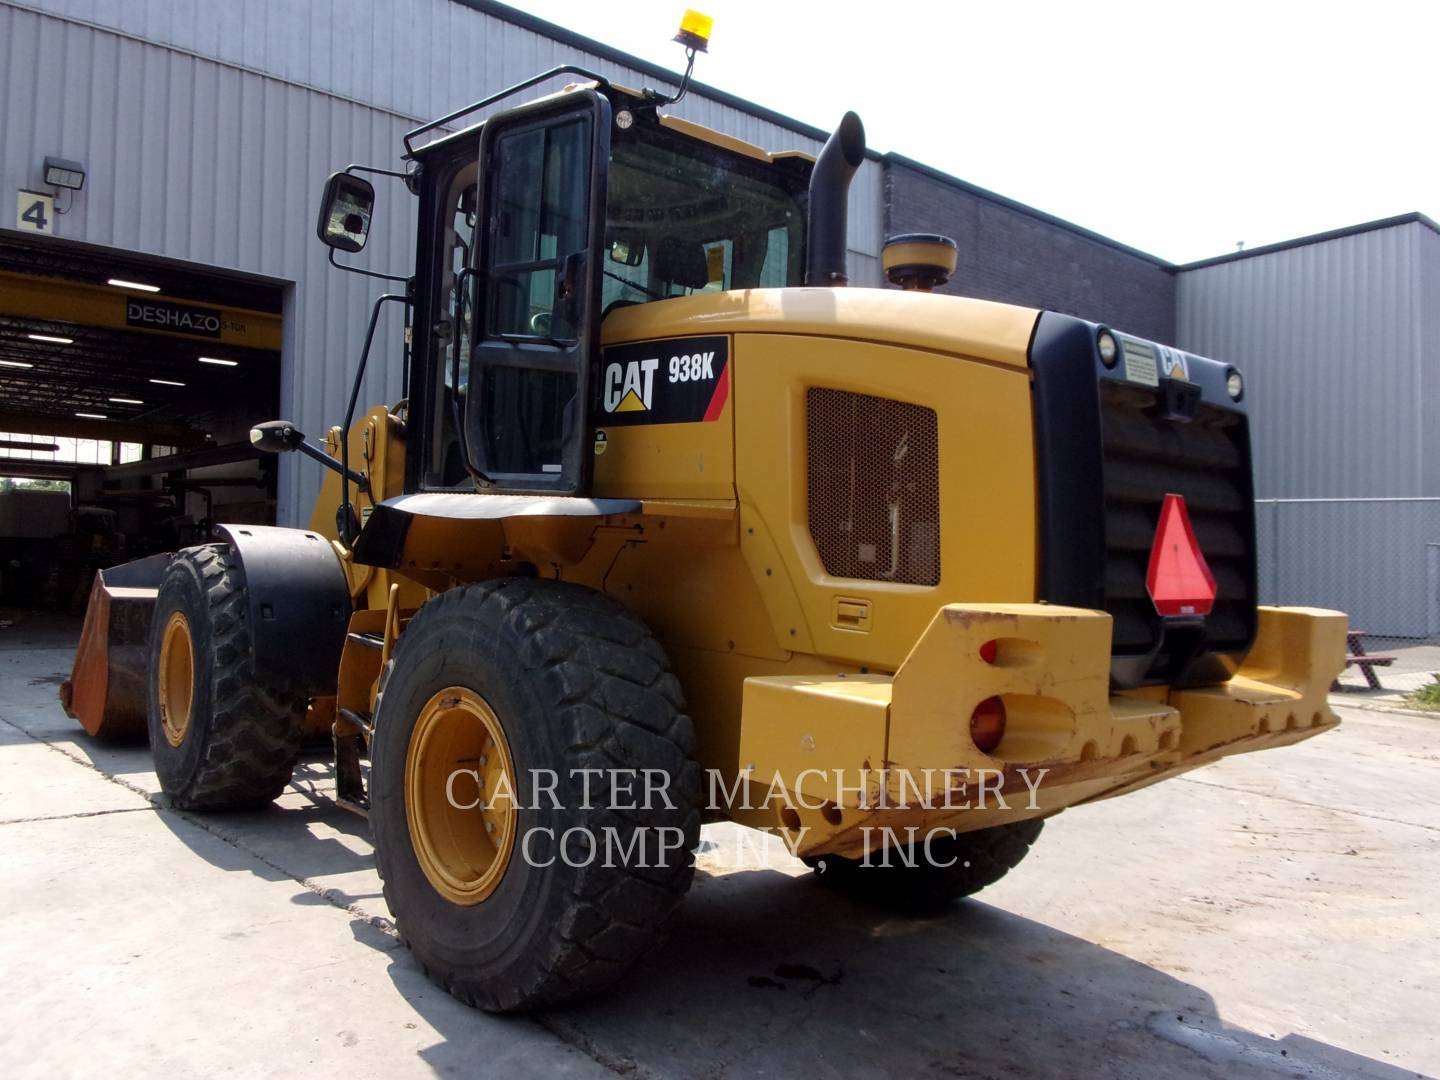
1179,129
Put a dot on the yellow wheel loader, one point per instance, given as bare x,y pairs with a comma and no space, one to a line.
674,525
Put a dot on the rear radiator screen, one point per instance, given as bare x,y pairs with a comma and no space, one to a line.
874,504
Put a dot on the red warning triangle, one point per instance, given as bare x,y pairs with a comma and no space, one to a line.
1179,581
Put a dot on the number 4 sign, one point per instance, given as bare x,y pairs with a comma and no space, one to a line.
35,212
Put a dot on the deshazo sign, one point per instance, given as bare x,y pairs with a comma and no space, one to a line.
176,318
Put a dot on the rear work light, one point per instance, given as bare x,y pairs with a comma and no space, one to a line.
1179,580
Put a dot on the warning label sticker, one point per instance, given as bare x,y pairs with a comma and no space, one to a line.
679,381
1141,364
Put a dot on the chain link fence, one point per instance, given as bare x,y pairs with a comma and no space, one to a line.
1377,559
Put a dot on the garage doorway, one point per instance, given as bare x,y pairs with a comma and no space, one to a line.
128,386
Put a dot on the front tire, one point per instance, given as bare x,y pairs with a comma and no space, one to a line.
221,735
515,904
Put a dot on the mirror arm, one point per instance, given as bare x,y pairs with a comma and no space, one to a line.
375,170
362,270
310,450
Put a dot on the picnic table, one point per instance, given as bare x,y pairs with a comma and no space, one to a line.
1366,662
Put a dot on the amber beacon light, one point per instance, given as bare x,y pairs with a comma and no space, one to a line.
695,31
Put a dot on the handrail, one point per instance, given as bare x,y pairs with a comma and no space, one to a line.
563,69
345,517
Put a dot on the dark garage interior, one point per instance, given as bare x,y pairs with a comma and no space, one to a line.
127,390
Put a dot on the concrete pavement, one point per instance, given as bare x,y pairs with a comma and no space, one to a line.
1267,916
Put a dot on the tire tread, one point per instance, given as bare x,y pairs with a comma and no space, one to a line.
982,858
256,728
616,704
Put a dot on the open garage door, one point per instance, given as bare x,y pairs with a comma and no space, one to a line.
128,387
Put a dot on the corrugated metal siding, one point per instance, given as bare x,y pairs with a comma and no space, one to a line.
866,222
208,131
1338,341
1429,390
420,58
1329,339
417,59
191,159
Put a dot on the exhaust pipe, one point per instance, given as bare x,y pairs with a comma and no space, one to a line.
829,203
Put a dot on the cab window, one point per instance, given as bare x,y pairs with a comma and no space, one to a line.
539,218
523,408
685,217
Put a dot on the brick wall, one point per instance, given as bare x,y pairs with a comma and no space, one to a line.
1020,257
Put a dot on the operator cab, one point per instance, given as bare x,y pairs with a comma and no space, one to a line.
542,221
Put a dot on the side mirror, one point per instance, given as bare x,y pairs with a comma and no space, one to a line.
281,436
345,212
627,250
276,437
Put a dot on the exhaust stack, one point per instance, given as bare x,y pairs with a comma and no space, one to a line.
829,205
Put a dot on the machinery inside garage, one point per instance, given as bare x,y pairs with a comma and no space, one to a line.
127,390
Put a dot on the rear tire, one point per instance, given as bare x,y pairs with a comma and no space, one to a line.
550,678
980,859
221,736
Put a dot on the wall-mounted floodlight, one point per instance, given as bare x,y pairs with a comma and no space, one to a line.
60,173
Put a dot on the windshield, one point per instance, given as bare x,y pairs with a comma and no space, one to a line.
683,217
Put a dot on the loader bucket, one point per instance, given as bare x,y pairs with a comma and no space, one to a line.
106,690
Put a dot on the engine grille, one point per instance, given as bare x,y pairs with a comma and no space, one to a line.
874,487
1208,462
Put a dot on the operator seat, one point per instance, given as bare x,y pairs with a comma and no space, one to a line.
682,262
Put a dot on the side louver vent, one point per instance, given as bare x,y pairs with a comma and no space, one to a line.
874,500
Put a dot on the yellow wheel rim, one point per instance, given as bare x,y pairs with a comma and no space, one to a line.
460,796
177,678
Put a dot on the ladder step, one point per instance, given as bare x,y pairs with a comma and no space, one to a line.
363,720
368,641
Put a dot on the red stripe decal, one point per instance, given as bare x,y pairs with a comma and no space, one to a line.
717,399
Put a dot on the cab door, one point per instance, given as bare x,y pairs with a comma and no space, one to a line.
543,170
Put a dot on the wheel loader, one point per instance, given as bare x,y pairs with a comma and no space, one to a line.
675,525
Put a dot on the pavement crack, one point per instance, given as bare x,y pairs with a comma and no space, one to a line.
1306,802
331,896
78,814
572,1036
84,763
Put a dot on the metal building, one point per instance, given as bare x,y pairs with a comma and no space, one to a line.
205,133
1339,335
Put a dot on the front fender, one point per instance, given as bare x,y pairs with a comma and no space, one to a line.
299,603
